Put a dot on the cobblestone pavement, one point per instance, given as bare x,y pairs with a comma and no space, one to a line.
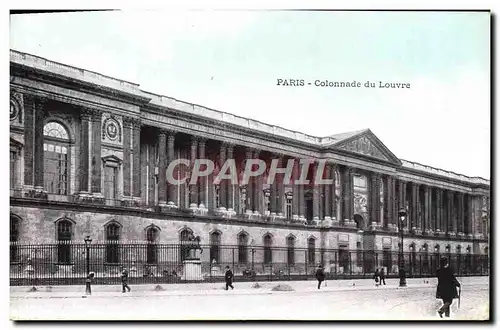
335,302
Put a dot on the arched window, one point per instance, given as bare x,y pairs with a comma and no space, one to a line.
56,158
64,235
14,238
152,249
215,247
290,244
112,247
242,248
268,253
311,250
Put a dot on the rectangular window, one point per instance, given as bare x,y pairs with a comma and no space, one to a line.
55,170
110,184
242,254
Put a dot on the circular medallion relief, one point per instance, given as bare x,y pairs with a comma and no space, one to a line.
14,112
112,130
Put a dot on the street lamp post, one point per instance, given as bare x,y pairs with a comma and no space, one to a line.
88,240
402,275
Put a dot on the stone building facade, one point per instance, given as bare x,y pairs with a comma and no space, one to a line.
89,155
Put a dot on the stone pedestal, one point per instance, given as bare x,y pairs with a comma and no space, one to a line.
192,270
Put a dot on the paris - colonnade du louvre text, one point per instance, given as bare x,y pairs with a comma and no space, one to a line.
89,156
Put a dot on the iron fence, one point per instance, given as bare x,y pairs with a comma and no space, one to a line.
66,263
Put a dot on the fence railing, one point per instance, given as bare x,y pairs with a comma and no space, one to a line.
66,263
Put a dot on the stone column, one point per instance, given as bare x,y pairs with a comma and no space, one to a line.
449,213
295,190
346,194
427,209
151,174
461,214
96,153
328,193
29,140
402,202
257,192
229,184
351,194
85,115
222,183
281,189
414,207
302,213
193,188
38,147
250,189
470,216
162,168
127,162
439,210
374,199
202,181
393,220
172,188
136,159
273,197
316,196
387,201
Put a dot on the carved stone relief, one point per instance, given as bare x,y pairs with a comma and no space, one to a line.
364,146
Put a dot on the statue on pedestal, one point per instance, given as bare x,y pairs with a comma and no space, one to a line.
193,246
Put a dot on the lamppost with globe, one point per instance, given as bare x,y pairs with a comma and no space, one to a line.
402,276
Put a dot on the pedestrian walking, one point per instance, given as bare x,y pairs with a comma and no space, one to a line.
447,287
88,282
124,279
382,276
320,275
376,277
229,278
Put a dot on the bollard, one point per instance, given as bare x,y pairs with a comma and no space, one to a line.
88,284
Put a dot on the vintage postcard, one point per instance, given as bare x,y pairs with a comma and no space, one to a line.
250,165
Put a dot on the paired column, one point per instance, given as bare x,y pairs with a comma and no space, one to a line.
295,190
151,173
470,215
403,203
136,159
257,191
162,168
281,188
388,201
427,227
172,188
39,116
302,212
96,153
127,162
461,213
193,188
439,210
202,181
328,192
85,116
229,184
29,139
375,198
315,194
273,197
250,188
222,183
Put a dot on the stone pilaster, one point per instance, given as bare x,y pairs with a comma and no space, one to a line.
302,203
96,154
202,181
172,188
449,212
393,219
273,198
85,115
127,163
162,168
193,188
346,194
427,209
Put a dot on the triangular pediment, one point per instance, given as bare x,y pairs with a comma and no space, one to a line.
367,144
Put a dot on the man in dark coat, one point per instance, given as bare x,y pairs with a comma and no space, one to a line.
446,288
124,279
382,276
320,275
229,278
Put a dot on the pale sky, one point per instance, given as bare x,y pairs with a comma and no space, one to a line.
230,61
